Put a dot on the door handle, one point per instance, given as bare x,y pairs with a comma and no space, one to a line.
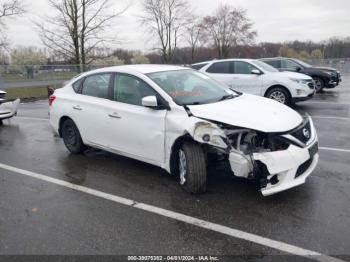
77,108
114,115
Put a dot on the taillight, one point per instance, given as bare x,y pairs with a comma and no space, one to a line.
51,99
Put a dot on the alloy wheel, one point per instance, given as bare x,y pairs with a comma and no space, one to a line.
278,96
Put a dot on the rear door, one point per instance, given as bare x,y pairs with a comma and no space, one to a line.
90,108
244,81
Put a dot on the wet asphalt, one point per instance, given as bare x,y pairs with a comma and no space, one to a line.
37,217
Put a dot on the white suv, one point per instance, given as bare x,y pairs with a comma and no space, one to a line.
258,78
181,120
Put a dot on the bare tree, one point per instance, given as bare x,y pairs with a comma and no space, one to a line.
78,28
194,35
166,19
228,27
8,9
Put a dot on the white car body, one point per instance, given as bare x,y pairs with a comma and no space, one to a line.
299,86
151,135
7,109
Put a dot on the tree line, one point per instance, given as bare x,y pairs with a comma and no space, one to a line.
78,33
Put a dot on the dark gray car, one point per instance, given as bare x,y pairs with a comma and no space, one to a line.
325,77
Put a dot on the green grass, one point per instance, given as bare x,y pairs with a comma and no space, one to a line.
26,93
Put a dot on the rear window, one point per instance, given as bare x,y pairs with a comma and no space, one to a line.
220,68
199,66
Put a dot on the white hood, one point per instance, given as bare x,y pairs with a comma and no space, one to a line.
252,112
293,75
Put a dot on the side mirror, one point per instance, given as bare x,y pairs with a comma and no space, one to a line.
256,72
298,69
150,101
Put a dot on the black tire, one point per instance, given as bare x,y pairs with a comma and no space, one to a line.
71,137
279,94
319,84
195,178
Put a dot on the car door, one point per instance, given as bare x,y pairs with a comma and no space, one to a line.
244,81
89,108
134,129
222,72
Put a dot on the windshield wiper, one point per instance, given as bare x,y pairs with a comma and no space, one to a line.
226,97
193,103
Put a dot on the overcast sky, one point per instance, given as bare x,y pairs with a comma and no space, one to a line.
275,20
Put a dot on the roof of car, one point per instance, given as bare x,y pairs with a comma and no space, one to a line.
273,58
225,60
143,69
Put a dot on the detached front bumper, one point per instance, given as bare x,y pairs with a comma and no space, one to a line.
284,166
291,167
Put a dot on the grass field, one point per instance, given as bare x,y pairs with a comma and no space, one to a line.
26,93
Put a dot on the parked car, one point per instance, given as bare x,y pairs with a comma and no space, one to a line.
178,118
325,77
7,109
257,78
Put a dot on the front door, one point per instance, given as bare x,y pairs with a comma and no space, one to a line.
134,129
243,79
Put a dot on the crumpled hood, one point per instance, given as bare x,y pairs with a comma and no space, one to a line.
252,112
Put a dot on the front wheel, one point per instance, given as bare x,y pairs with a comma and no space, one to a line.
280,95
71,137
192,168
319,84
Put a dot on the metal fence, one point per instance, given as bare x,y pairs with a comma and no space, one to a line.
38,75
343,65
14,76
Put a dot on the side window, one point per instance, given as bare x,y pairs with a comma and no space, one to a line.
96,85
288,64
274,63
199,66
131,90
76,84
220,68
243,68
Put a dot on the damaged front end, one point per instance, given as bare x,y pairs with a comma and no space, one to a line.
278,161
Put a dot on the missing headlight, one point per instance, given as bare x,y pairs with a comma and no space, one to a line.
248,141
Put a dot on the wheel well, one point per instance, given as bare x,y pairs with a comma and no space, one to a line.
320,77
278,86
174,149
64,118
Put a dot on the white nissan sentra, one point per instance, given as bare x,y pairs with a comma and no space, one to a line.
178,118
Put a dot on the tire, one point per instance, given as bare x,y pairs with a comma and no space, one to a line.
319,84
71,137
279,94
192,168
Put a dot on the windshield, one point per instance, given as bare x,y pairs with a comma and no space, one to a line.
264,66
189,87
302,63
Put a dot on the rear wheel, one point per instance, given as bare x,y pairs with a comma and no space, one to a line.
280,95
192,168
72,138
319,84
